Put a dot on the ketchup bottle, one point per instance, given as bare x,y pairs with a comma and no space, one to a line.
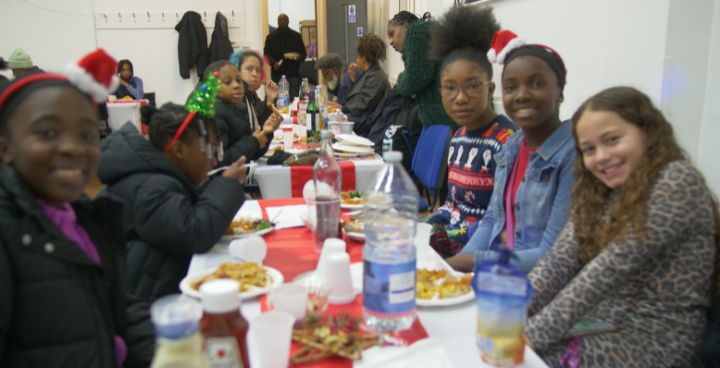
223,326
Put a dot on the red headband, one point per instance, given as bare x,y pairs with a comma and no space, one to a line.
14,87
180,131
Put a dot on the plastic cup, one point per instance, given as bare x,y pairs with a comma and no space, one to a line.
290,298
271,333
331,246
249,249
324,216
339,279
318,292
175,316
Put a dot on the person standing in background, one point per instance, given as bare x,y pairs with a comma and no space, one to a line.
21,64
285,50
410,37
130,85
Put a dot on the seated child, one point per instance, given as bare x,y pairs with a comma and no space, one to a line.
62,274
529,202
639,254
168,217
460,42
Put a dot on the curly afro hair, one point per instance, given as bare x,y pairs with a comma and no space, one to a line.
464,32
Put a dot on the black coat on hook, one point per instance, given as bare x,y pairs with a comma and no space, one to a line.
192,44
220,45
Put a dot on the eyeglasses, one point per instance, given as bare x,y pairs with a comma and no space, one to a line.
471,89
212,151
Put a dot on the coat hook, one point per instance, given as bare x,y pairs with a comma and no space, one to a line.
105,16
120,17
148,13
134,19
177,16
204,16
162,14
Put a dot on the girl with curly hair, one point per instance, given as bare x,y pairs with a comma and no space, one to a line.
639,252
460,42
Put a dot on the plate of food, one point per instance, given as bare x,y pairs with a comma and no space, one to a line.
352,200
354,229
253,278
241,227
437,287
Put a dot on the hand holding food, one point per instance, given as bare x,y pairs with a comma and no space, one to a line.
236,170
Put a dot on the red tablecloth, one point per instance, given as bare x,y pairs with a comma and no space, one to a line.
292,251
299,175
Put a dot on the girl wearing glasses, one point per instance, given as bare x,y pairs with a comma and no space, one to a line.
460,42
168,218
534,178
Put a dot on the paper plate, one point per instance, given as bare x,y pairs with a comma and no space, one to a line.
342,147
356,140
276,279
229,237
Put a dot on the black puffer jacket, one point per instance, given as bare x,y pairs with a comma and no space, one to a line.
57,307
167,220
236,132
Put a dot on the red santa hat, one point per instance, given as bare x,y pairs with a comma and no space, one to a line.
94,74
502,43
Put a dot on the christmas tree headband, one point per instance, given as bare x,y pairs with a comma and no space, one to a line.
202,102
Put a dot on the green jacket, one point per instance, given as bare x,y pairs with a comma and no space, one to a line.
421,77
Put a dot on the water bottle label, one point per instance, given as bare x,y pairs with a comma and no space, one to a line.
501,284
389,288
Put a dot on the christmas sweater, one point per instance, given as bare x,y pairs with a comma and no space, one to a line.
471,171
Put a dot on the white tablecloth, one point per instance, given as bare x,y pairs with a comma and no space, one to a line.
453,327
274,180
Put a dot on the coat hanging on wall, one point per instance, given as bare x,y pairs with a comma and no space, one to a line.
220,45
192,44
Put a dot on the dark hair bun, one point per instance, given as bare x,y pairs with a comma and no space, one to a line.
463,27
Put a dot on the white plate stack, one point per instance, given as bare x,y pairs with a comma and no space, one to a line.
351,145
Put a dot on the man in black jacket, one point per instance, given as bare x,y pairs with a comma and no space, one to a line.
286,50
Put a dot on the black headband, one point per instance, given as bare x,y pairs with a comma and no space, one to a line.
546,54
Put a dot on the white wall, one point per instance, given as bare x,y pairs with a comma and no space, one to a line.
709,135
296,10
56,32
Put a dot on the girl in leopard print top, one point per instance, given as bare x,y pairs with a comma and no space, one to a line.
639,250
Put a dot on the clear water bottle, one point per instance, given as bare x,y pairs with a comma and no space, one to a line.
389,254
305,90
325,203
283,100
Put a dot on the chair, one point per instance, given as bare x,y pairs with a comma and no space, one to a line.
429,161
150,96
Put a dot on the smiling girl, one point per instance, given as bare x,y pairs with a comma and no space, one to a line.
533,178
639,252
62,264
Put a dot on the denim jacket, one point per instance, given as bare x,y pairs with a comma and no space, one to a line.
542,200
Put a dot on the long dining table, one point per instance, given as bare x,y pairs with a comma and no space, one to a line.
291,251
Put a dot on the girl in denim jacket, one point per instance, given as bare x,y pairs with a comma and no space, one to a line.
533,179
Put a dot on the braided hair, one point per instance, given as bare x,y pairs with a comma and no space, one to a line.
166,120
